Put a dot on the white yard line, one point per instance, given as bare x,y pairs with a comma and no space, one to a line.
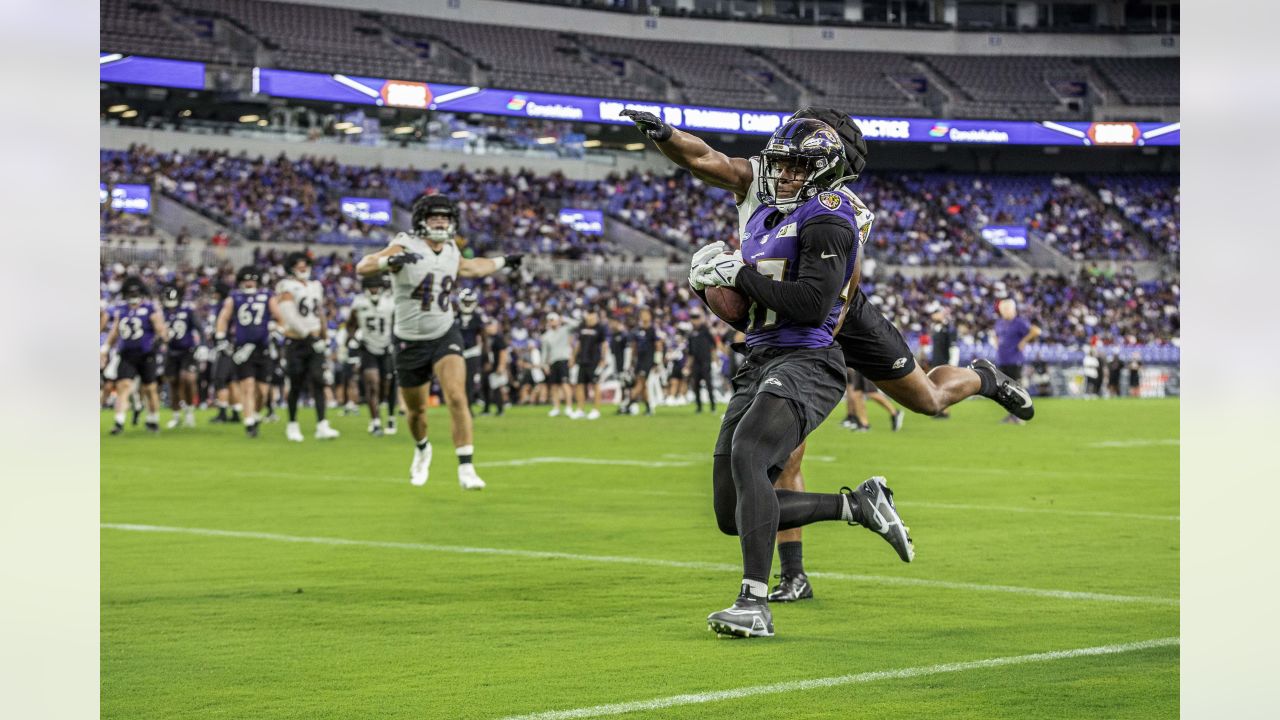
827,682
651,562
1047,511
1162,442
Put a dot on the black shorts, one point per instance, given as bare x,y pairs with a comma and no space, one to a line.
860,383
302,362
643,368
1013,371
871,344
558,373
378,363
223,369
133,364
180,361
251,361
812,379
587,374
416,359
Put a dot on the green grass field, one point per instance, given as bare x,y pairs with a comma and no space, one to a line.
262,579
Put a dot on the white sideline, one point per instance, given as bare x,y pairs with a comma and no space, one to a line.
817,683
1050,511
653,562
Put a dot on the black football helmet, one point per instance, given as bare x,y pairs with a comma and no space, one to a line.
428,205
248,273
855,147
133,289
813,145
291,262
374,284
171,296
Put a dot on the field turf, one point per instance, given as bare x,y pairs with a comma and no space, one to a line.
263,579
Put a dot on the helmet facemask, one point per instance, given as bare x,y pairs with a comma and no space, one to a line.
437,234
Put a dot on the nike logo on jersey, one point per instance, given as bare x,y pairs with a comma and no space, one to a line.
828,257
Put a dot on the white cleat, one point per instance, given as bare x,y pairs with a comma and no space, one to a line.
324,432
292,432
554,412
390,429
173,423
421,465
576,414
468,478
593,415
189,421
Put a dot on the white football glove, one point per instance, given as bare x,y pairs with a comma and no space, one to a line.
722,270
700,259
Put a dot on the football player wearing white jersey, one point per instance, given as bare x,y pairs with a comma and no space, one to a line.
425,266
370,325
306,348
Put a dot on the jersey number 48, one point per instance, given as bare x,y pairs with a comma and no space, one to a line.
424,292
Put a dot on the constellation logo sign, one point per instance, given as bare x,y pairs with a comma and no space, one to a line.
587,222
1013,237
977,136
939,130
559,112
375,211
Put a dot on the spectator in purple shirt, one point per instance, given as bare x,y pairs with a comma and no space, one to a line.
1013,332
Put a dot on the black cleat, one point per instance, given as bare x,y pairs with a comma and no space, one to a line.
251,430
1011,396
792,588
136,415
897,420
874,500
117,429
745,618
153,427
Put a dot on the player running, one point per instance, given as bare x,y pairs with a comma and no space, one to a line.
301,305
247,313
799,253
137,325
424,268
370,325
180,366
870,343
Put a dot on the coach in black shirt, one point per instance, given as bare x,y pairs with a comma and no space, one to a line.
702,348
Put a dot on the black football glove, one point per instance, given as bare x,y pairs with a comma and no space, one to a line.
512,262
649,124
395,262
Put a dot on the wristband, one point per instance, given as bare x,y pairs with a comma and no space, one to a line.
383,263
498,262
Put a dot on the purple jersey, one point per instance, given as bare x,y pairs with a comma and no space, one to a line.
250,315
771,245
135,331
1008,334
183,322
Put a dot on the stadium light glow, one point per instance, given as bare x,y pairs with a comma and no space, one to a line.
353,130
185,113
634,146
129,114
546,140
262,122
248,118
460,134
591,143
117,108
342,125
403,130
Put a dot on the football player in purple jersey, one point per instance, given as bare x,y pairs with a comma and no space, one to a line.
180,366
136,328
247,313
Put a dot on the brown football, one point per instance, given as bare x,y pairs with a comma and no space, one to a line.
729,304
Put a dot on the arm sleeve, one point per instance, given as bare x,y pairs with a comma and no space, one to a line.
825,248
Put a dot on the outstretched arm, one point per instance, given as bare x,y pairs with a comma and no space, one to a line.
695,155
479,267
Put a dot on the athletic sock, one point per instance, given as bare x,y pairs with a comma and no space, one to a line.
153,418
422,445
119,418
988,380
792,557
757,590
464,454
849,511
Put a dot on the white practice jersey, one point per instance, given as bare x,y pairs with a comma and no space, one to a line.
374,320
423,291
309,297
751,202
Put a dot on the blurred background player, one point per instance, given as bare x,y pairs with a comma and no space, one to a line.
472,327
138,325
301,303
370,326
619,351
859,390
425,267
589,361
703,348
942,343
247,314
496,372
1012,333
557,351
222,368
180,366
645,345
